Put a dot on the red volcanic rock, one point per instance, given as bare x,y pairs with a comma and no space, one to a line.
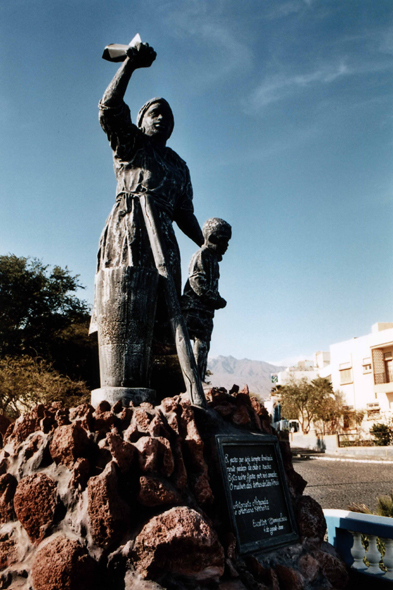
156,492
237,585
156,426
259,408
179,541
162,449
274,580
64,564
8,551
125,416
295,481
192,438
167,462
286,454
256,421
122,451
225,409
35,503
266,577
35,443
289,578
180,472
103,407
104,421
241,417
202,490
172,422
62,416
132,434
108,512
84,414
146,406
69,443
230,545
22,427
4,463
142,419
44,416
259,572
80,474
309,567
234,389
333,569
170,404
243,399
262,414
148,453
8,485
310,519
215,395
117,407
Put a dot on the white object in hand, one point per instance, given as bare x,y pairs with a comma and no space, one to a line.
118,52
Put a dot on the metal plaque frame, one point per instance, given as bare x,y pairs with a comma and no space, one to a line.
270,444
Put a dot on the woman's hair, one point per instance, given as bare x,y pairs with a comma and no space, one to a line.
147,105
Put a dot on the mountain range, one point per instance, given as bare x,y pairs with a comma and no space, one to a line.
227,371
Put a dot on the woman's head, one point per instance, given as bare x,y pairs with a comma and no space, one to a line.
156,119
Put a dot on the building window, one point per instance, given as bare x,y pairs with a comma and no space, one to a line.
343,366
388,358
367,368
345,376
373,411
379,366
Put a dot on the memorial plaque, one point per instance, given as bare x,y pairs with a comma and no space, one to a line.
256,491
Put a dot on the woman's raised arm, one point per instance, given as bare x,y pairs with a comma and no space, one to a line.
140,56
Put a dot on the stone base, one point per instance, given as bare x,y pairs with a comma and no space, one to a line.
136,395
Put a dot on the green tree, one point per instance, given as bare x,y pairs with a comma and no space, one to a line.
42,316
308,401
331,408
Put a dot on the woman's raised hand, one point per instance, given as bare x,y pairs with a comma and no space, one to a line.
141,55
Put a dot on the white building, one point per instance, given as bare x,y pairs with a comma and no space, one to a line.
362,369
309,370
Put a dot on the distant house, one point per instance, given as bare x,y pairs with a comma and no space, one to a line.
362,369
304,369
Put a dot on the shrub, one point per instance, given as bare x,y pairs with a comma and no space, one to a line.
27,381
381,433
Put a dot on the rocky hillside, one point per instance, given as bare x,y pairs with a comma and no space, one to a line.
256,374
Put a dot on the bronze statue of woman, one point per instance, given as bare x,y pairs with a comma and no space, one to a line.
127,285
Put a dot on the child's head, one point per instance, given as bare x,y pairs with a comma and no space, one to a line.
217,234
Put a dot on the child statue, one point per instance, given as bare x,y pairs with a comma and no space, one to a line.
201,297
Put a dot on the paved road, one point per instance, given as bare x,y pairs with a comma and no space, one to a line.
336,484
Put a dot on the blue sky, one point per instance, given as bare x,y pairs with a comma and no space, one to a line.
283,112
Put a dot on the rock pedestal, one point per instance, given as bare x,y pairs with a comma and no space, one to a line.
130,498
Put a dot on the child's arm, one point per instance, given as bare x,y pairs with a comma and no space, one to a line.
203,278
